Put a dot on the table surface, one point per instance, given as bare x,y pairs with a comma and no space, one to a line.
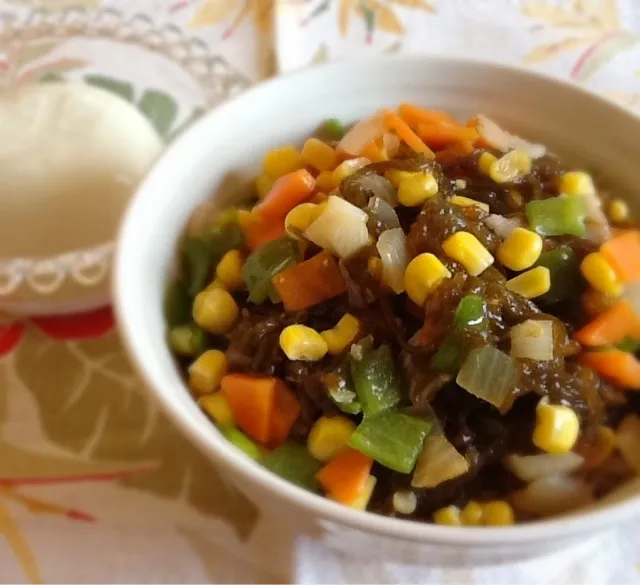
95,484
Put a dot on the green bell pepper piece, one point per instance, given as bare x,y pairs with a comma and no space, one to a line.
177,304
293,463
392,439
333,129
265,263
199,260
341,390
241,441
557,216
469,312
375,378
564,271
187,340
629,345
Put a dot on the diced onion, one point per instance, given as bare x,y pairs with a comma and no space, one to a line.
532,340
377,186
341,228
532,467
405,502
382,214
361,134
391,144
504,141
392,247
628,441
553,495
503,226
596,222
438,462
490,375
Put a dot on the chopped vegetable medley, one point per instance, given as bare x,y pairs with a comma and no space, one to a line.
421,318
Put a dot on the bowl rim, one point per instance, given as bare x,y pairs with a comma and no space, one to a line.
218,449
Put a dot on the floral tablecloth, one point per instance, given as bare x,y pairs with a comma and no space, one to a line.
95,484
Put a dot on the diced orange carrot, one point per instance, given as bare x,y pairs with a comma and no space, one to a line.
310,282
623,253
345,476
287,192
439,135
450,154
286,411
414,115
252,400
374,151
258,231
618,366
612,326
400,127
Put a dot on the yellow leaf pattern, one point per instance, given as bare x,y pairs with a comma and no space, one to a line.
213,11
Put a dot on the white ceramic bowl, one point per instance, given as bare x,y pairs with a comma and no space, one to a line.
232,140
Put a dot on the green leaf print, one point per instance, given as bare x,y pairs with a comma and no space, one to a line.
121,88
91,403
160,108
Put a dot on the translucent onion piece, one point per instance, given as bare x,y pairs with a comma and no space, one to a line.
504,141
596,222
438,462
490,375
553,495
532,467
361,134
377,186
503,226
341,228
391,144
392,247
382,214
532,340
628,441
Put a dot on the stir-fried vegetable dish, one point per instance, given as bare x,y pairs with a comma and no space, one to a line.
422,318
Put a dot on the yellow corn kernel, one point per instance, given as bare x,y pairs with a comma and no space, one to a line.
449,516
618,211
300,342
520,250
229,270
576,183
362,500
600,274
465,248
462,201
325,182
510,167
532,283
217,407
215,311
497,513
557,427
485,161
342,335
374,267
347,168
280,161
423,275
263,185
405,502
395,177
206,372
471,514
301,217
329,436
319,155
416,189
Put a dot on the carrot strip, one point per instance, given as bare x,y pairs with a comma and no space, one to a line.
310,282
344,478
439,135
252,400
623,252
287,192
414,115
286,411
400,127
258,232
618,366
374,151
612,326
450,154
